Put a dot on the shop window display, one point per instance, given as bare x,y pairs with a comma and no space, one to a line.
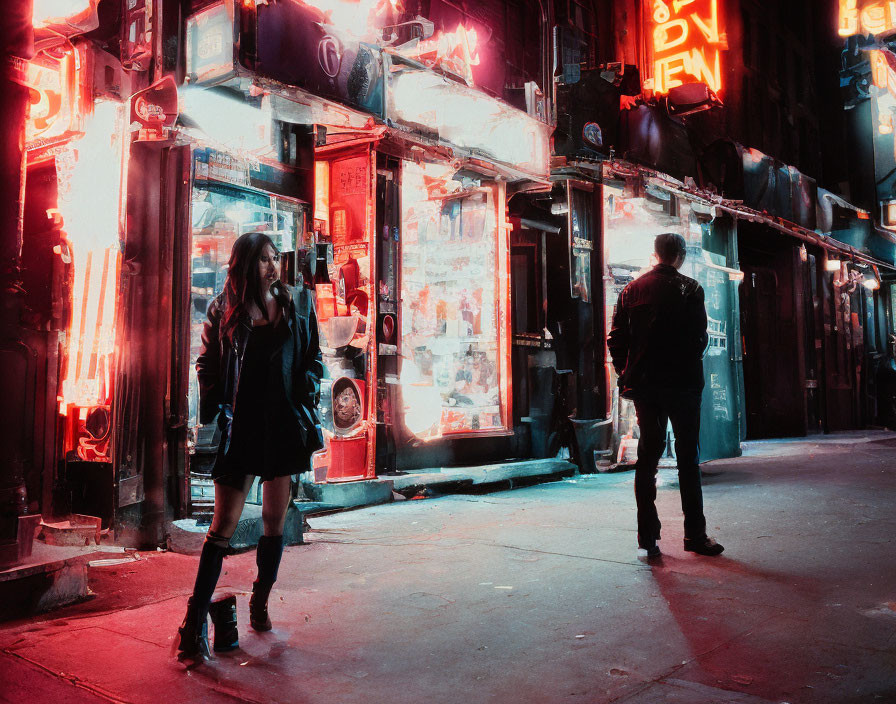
631,224
453,336
220,213
343,293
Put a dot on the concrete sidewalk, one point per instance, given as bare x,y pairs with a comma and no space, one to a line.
531,595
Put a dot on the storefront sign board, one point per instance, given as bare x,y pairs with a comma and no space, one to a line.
688,38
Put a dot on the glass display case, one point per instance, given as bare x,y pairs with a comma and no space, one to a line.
220,213
453,311
631,223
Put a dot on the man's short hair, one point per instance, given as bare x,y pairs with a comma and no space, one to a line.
669,247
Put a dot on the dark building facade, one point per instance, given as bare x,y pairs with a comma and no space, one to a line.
813,307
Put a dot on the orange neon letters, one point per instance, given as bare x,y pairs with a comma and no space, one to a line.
687,43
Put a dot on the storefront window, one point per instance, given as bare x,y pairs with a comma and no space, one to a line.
892,306
220,213
454,271
580,241
343,295
631,224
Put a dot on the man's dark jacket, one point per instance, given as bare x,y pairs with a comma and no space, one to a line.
659,334
294,385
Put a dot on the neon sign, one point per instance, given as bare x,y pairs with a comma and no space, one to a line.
858,17
53,110
687,43
455,52
884,78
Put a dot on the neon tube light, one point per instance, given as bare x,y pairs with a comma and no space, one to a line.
688,40
89,175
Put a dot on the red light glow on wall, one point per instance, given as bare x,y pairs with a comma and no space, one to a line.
688,40
89,175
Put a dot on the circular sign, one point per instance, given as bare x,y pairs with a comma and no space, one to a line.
329,55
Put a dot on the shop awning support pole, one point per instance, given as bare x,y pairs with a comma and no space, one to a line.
16,39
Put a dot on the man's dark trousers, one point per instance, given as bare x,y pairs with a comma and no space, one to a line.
654,411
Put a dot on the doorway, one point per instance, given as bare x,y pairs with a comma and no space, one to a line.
773,327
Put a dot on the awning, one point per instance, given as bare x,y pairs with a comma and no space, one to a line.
735,209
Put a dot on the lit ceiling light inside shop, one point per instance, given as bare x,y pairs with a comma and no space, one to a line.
89,175
866,17
688,40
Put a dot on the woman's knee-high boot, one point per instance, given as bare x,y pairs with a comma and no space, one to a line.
270,550
193,633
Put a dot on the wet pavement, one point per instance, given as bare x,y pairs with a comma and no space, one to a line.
530,595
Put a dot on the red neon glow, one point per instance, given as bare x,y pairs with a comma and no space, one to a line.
688,40
455,52
322,190
89,175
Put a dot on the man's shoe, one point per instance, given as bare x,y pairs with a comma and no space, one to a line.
703,546
653,552
649,541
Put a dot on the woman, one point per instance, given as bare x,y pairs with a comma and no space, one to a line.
259,371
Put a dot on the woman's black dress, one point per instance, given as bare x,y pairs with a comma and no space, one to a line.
269,376
249,451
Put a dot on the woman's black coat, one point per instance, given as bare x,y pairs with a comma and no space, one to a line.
295,391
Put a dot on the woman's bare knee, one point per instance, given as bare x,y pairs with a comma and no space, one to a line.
275,503
229,503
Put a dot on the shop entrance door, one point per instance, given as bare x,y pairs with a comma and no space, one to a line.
223,206
631,224
344,224
773,325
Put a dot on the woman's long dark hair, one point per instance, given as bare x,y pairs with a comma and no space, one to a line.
243,284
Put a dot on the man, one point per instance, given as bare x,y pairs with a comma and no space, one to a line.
657,344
